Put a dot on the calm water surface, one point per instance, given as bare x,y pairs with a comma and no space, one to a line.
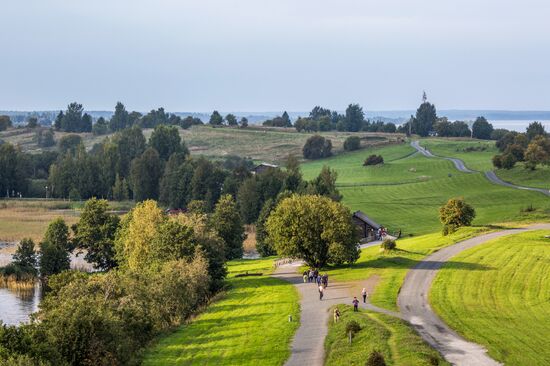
16,305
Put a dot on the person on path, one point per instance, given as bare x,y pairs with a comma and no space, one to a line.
364,294
355,304
336,315
310,275
321,292
306,278
318,280
326,280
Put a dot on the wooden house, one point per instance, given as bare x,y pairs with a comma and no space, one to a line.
258,169
366,227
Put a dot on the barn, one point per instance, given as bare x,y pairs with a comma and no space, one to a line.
366,227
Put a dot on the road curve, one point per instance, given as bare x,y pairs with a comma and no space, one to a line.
459,164
495,179
413,302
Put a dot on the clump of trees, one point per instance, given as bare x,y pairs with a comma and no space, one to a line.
455,214
317,147
352,143
331,240
373,160
5,122
279,121
531,147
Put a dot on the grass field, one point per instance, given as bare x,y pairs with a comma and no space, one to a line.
406,193
477,154
399,344
248,326
504,305
539,178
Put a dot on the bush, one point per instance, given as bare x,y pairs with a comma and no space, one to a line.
317,147
374,160
454,214
353,327
352,143
388,244
508,161
376,358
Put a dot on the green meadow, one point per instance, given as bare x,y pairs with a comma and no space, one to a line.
406,192
502,304
247,326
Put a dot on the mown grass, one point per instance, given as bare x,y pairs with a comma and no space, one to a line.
503,305
399,344
538,178
406,193
248,326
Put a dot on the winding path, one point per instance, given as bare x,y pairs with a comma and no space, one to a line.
490,175
414,304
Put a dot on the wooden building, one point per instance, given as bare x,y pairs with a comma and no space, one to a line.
258,169
366,227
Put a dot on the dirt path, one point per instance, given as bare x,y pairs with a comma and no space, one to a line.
414,304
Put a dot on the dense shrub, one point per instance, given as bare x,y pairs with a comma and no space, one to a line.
317,147
352,143
352,327
374,160
388,244
376,358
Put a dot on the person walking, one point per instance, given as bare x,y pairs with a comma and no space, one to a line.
321,292
355,304
305,277
364,294
336,315
318,280
326,280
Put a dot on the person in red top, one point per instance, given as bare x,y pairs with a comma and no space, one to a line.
355,304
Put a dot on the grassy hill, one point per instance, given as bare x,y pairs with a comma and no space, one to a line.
266,144
406,192
504,304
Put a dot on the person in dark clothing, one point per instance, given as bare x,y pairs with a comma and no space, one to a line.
355,304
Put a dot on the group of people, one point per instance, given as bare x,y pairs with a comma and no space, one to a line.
381,233
313,276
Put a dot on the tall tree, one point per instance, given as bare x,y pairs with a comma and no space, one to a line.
167,141
227,222
313,228
244,122
120,119
14,170
72,121
95,233
231,120
425,119
54,249
146,172
354,118
286,119
128,144
535,129
216,119
5,122
481,129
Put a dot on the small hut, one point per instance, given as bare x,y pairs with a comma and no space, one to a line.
366,227
258,169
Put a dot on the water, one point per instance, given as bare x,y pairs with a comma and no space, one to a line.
16,305
517,125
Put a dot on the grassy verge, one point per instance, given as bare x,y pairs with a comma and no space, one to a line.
248,326
504,304
399,344
538,178
477,154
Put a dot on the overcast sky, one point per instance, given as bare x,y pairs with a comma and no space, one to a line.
256,55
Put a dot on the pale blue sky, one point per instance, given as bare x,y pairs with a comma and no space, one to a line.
254,55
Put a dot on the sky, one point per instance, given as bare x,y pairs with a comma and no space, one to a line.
256,55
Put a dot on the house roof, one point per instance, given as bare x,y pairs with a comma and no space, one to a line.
267,165
363,217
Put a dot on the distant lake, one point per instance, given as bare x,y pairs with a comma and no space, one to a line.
517,125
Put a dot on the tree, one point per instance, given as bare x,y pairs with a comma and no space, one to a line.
249,200
167,141
72,120
354,118
25,255
535,129
244,122
264,246
376,358
120,119
128,144
69,144
286,119
498,133
352,143
293,180
317,147
481,129
32,122
216,119
86,123
55,248
325,184
100,127
95,233
120,190
58,123
175,185
227,222
454,214
313,228
425,119
231,120
5,122
537,152
146,172
14,170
